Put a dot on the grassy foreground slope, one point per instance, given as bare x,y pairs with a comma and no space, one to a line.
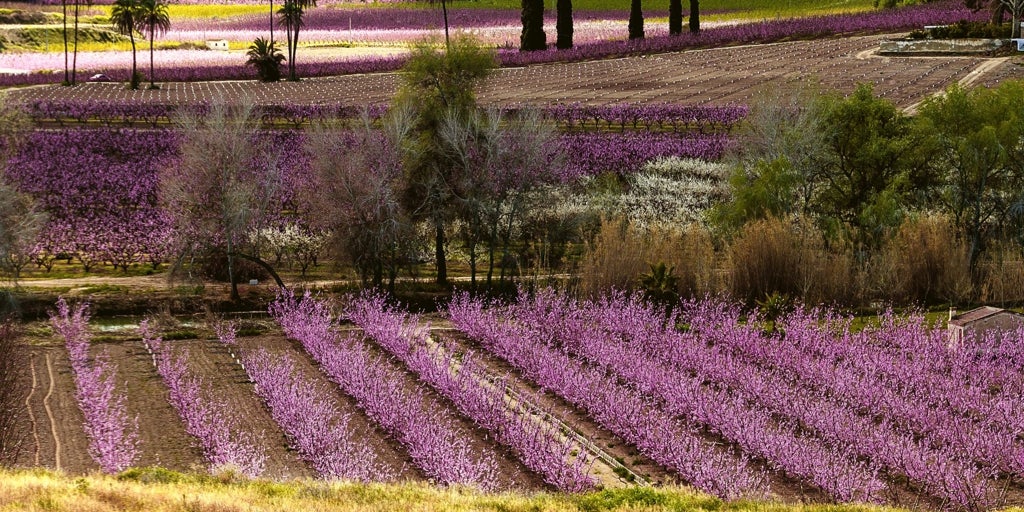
159,490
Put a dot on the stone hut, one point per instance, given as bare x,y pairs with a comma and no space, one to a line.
979,322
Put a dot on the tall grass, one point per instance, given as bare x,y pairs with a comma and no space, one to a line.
622,253
789,258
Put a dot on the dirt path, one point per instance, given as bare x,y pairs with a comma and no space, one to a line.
977,75
58,439
31,414
603,467
511,474
229,384
49,414
163,440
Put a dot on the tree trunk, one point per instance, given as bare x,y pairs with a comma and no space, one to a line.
152,79
231,272
472,266
135,68
271,22
694,16
675,17
563,25
67,74
378,274
636,20
997,14
1015,30
74,58
444,12
490,262
265,265
295,51
288,34
533,37
442,266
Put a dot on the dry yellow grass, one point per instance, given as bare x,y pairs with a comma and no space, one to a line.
159,490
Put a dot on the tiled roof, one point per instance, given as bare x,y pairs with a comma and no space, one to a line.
977,314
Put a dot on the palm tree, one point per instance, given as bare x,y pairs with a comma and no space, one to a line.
154,19
64,9
123,18
291,15
74,58
636,20
266,58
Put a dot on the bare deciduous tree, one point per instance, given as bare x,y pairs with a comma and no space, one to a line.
1016,8
786,125
20,219
500,163
221,187
357,187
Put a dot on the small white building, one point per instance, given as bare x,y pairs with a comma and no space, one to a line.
980,322
218,44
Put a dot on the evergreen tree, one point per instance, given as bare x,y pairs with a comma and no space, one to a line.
563,25
533,37
694,16
636,20
675,17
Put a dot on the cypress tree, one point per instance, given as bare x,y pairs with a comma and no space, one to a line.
675,17
533,37
563,25
636,20
694,16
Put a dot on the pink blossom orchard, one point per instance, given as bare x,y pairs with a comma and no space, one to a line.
813,400
192,65
113,436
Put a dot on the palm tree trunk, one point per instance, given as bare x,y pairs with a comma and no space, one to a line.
64,7
271,22
444,10
442,264
74,58
295,51
152,80
135,70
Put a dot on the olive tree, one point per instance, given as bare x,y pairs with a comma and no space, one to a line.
974,138
434,83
